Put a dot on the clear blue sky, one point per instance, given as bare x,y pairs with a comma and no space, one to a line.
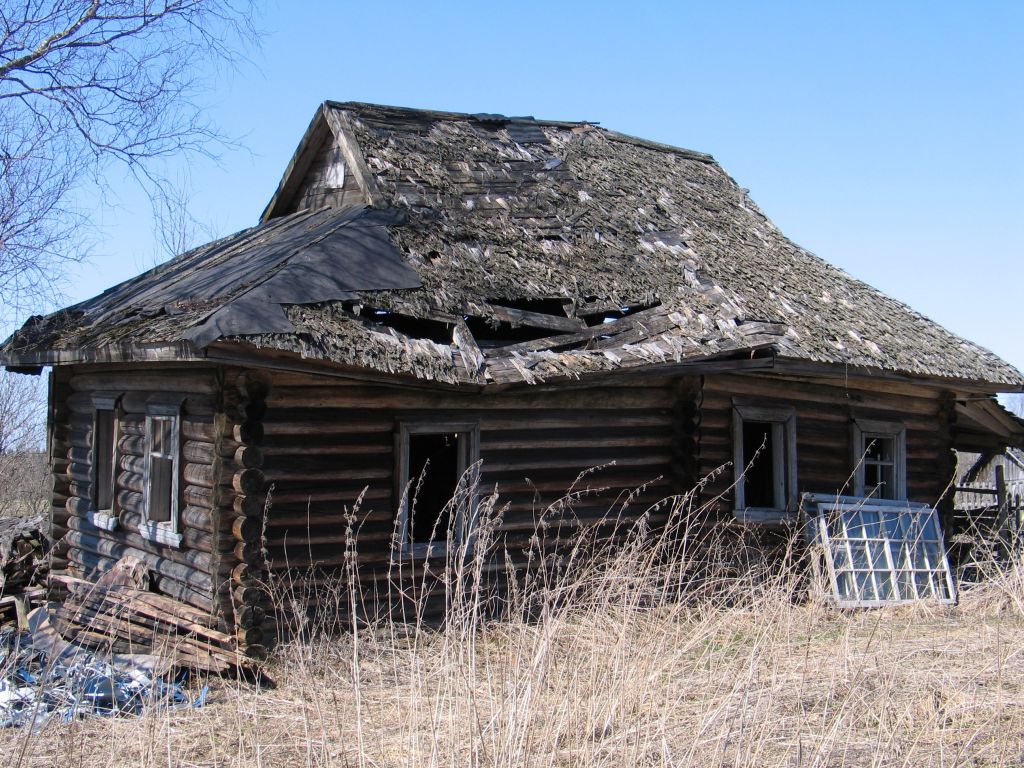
885,137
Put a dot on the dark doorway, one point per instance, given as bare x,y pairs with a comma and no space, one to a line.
433,478
759,480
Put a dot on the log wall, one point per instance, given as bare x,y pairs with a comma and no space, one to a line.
325,450
327,443
825,410
192,573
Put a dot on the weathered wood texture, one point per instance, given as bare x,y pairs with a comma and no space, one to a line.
328,181
328,443
825,410
193,572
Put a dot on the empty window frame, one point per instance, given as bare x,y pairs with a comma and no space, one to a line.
882,552
163,472
436,496
880,459
105,434
764,458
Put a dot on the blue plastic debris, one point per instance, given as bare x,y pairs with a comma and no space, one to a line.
35,688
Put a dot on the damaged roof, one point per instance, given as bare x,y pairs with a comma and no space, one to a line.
488,249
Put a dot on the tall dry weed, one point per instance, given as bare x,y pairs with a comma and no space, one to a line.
677,645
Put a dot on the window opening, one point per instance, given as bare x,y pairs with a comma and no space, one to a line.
881,552
162,461
163,470
880,459
764,458
433,463
434,475
759,462
103,461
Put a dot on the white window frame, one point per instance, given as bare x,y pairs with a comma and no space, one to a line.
105,518
165,531
865,430
896,556
468,457
783,421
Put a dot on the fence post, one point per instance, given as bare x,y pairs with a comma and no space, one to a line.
1002,512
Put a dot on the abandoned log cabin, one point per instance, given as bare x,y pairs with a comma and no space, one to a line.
528,297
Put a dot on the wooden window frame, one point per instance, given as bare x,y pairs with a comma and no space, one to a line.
783,421
871,429
105,518
167,532
469,456
895,553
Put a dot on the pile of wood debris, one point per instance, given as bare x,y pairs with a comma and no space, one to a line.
23,565
119,615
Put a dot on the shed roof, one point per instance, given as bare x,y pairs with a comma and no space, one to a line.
482,248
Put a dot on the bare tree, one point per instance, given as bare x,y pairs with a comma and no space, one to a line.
89,83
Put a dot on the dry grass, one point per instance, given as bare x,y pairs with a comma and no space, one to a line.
752,668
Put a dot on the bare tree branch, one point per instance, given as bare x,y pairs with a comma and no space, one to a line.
87,83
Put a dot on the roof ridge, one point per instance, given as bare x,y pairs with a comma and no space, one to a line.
488,117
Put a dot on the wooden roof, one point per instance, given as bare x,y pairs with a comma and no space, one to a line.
528,250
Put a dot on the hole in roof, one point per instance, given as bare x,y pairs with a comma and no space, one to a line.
490,334
413,327
550,306
612,315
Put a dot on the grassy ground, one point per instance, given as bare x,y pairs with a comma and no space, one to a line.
614,672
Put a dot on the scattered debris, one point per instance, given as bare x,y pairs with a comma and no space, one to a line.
120,617
40,681
23,566
23,548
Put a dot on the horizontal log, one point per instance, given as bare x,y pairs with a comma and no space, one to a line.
249,552
249,595
165,381
248,481
248,616
251,432
204,431
380,397
251,636
190,566
131,481
201,475
248,457
87,561
132,445
248,529
249,505
194,405
191,538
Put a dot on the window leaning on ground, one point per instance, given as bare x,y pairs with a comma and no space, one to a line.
163,470
764,458
436,493
881,552
104,461
880,459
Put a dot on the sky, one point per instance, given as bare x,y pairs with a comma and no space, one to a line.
884,137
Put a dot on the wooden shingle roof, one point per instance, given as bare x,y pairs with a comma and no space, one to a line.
519,250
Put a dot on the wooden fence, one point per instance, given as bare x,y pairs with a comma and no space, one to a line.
988,521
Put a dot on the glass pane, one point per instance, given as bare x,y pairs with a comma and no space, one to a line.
872,529
864,588
161,436
860,557
160,489
886,565
884,581
103,459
